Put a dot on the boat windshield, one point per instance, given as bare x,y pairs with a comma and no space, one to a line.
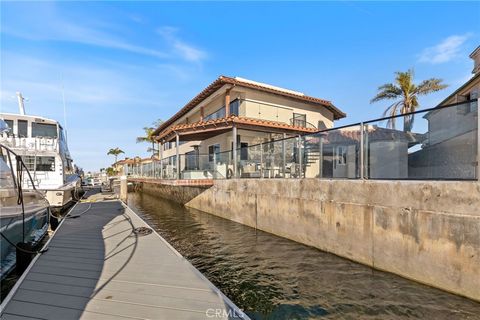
44,130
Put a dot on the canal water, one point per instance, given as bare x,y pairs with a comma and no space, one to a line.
274,278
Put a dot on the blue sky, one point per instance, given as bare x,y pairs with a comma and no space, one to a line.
126,64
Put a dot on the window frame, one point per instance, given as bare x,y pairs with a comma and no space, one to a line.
302,117
30,161
10,127
34,124
18,128
237,103
212,151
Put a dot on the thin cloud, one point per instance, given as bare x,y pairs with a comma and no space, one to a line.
69,32
180,47
445,51
48,23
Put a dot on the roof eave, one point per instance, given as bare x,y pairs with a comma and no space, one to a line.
222,80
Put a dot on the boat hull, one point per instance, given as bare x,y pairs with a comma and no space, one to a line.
13,227
62,196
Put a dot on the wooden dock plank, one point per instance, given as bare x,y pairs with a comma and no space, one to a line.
118,287
98,267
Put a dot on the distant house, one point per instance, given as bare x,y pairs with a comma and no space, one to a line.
120,166
386,152
222,121
451,148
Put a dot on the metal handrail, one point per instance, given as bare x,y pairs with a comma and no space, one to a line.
301,123
19,161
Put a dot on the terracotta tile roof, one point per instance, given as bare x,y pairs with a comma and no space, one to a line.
234,119
134,160
120,162
352,135
224,80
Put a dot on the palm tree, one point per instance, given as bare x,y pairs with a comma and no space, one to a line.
406,93
115,152
148,137
110,171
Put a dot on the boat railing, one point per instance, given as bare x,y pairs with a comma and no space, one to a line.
11,166
35,144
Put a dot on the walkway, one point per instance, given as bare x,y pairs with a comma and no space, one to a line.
99,265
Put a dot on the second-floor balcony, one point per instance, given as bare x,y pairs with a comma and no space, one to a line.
206,129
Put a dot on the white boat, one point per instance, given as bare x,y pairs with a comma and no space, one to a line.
42,145
24,213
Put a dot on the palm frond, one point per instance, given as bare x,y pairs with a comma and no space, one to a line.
405,90
386,92
142,139
148,137
157,123
430,85
115,151
392,111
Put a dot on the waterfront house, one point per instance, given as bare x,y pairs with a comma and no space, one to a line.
122,167
230,115
135,166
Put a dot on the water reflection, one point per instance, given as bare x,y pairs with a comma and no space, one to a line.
274,278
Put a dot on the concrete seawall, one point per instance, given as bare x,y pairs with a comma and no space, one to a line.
181,192
425,231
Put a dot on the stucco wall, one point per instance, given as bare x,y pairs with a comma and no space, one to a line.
282,109
425,231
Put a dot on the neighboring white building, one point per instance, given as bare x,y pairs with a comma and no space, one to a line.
451,150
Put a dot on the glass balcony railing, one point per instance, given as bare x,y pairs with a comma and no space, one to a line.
433,144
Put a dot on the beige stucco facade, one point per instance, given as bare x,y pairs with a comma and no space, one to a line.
252,104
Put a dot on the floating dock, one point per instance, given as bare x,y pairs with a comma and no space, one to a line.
104,262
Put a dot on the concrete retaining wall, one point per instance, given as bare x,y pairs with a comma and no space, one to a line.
425,231
180,194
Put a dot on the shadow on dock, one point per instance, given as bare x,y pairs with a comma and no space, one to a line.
103,263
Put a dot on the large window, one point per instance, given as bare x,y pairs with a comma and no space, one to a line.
234,107
10,126
244,151
299,120
213,149
22,128
44,130
191,160
40,163
168,145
